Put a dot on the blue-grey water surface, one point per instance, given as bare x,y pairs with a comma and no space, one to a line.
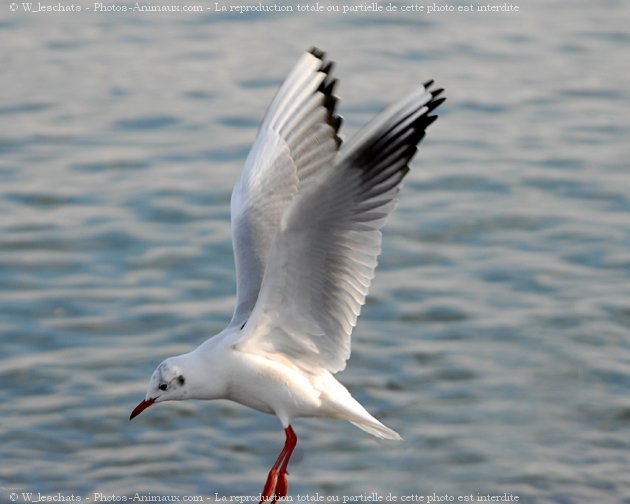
496,337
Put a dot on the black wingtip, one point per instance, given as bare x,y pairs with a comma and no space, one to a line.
428,83
330,103
327,68
435,104
384,157
335,122
338,121
318,53
328,87
430,120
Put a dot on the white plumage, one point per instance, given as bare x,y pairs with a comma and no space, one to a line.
306,218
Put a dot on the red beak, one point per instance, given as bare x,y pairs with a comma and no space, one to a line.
140,408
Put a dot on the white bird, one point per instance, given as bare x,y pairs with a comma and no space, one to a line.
306,218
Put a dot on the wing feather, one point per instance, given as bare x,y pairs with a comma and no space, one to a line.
325,250
296,138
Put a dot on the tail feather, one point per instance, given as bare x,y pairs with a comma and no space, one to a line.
377,429
340,404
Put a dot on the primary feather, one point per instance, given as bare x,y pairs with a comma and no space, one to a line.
296,139
323,253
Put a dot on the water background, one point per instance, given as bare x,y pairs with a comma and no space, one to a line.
496,337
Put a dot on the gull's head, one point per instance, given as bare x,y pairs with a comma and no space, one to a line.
167,383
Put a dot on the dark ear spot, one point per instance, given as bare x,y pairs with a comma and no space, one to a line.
181,380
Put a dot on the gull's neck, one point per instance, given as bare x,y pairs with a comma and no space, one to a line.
203,368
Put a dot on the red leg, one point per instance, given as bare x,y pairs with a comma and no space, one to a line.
277,485
282,486
270,486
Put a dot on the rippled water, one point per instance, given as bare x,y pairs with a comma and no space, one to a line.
496,337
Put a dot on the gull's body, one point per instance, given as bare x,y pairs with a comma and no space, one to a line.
306,219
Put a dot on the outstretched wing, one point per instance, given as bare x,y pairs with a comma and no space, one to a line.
297,137
324,254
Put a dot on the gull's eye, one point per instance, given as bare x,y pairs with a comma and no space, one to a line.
162,386
181,380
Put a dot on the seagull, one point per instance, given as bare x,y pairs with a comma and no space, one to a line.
306,219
